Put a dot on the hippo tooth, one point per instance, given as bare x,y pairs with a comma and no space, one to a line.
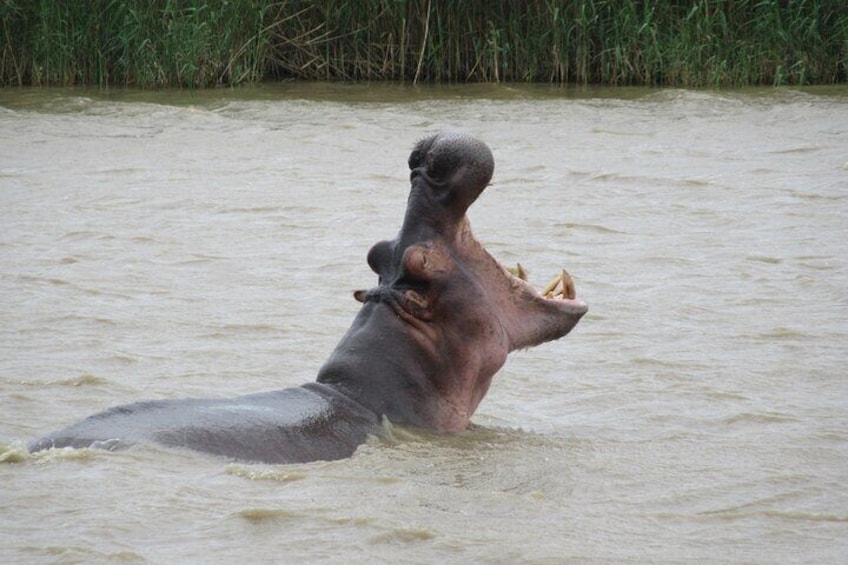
547,292
518,271
522,274
568,290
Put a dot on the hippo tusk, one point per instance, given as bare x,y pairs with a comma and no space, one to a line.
518,271
568,290
547,292
522,274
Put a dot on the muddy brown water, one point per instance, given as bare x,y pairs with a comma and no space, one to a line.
165,245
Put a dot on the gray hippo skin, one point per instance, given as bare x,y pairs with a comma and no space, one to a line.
421,351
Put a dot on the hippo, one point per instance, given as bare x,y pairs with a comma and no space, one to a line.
421,351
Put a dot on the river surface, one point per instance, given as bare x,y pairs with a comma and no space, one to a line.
167,245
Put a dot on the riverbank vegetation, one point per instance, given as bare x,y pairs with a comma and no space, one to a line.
200,43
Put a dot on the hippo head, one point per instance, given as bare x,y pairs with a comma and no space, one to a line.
444,314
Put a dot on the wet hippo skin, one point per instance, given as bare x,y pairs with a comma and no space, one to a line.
421,351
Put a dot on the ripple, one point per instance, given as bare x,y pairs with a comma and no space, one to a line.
593,228
402,535
764,259
760,418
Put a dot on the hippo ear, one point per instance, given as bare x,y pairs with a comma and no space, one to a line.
380,257
426,261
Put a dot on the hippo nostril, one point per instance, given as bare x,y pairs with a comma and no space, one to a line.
442,161
418,157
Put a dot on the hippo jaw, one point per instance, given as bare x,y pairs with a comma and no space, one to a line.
445,313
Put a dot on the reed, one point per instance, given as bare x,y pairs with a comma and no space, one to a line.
199,43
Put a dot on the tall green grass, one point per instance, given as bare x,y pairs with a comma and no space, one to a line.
197,43
132,42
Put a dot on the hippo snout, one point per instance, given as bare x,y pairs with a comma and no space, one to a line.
455,164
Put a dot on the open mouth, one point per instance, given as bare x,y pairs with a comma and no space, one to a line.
561,286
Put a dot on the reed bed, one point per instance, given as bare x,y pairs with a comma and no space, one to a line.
200,43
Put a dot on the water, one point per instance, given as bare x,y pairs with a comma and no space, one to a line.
165,245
